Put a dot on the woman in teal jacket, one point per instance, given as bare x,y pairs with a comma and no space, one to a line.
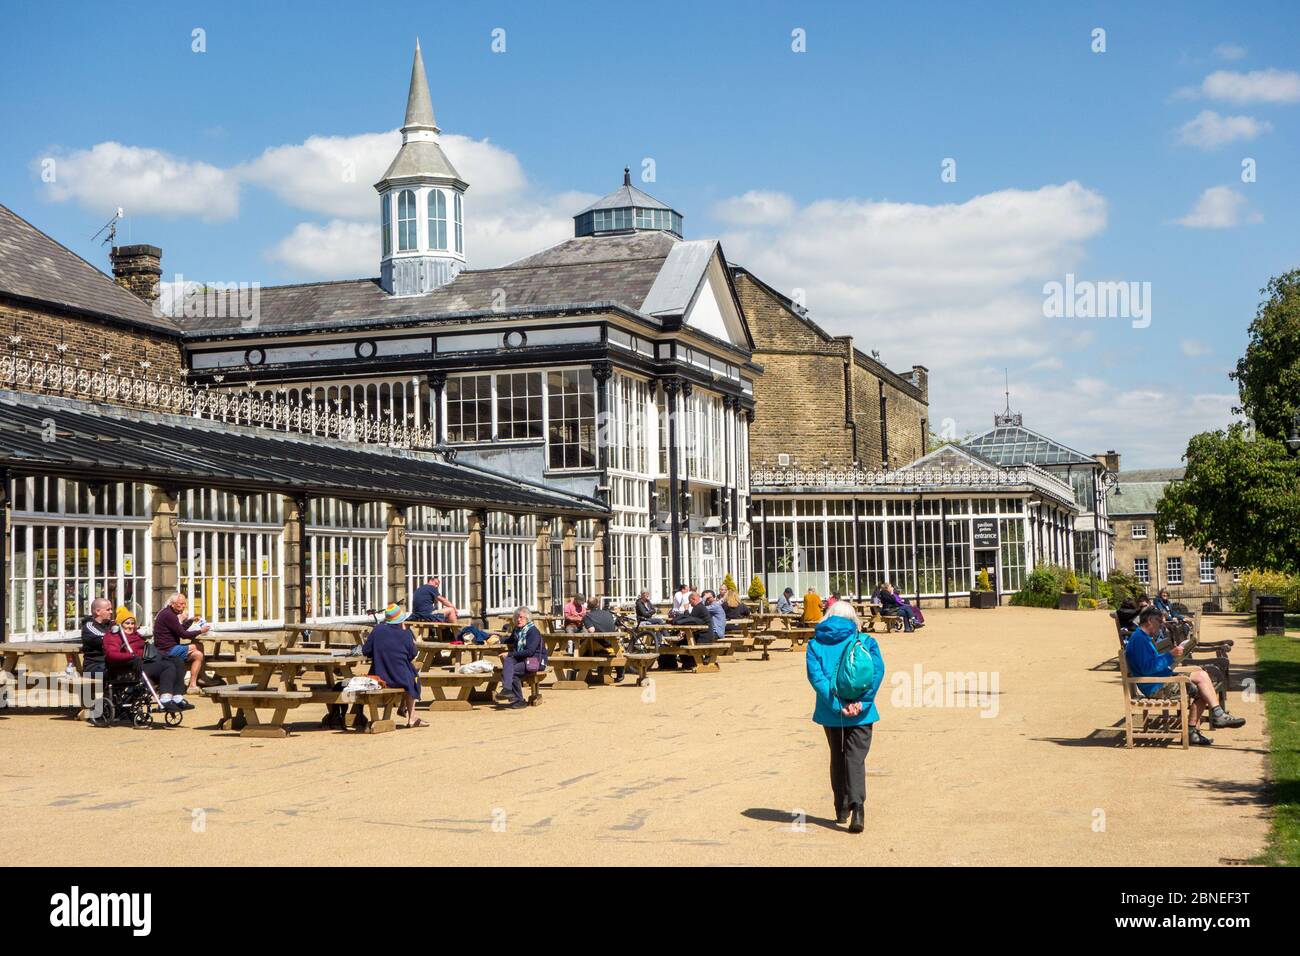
847,723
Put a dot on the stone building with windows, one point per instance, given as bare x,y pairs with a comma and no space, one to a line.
575,421
1171,564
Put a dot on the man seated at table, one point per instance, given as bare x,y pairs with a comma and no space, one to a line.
170,629
574,611
785,603
598,620
97,627
392,653
1145,661
645,610
429,604
681,601
714,615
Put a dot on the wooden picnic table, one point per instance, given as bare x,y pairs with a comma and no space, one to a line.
262,641
599,653
14,650
429,654
434,630
343,635
240,703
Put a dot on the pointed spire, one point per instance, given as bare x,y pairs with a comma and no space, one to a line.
419,105
627,176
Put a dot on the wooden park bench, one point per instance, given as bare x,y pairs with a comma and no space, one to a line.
799,637
890,622
370,711
588,671
763,641
639,663
241,702
229,671
1154,717
704,657
440,682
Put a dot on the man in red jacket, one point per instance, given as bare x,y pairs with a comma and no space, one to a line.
170,627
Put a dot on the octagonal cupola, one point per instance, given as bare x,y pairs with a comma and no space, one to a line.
627,209
421,202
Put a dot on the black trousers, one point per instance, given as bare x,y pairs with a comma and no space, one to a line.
849,747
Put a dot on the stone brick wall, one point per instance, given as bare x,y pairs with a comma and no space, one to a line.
808,380
1192,592
43,329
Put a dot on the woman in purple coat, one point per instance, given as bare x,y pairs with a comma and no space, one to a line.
391,650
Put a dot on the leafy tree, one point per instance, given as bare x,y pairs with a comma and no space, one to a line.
1239,502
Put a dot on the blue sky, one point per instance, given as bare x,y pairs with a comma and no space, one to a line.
820,170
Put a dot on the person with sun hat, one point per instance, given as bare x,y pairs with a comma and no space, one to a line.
391,650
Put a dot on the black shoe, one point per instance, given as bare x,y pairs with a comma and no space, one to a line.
1194,736
842,817
1227,720
857,824
182,704
518,705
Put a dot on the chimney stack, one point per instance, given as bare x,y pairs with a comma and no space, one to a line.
137,269
1110,460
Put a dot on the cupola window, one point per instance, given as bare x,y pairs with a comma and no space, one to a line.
385,214
437,219
460,229
407,237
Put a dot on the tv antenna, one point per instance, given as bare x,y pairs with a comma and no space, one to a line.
110,227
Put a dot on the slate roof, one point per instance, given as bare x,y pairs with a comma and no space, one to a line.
173,449
1138,491
624,196
1016,445
592,270
35,267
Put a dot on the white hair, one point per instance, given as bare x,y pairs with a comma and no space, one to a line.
843,609
528,615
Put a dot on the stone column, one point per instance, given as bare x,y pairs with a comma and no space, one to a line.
542,561
569,557
437,382
165,553
396,542
477,561
296,586
600,572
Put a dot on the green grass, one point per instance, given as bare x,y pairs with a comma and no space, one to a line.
1279,680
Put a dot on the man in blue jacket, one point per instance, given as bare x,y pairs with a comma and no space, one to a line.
848,724
1145,661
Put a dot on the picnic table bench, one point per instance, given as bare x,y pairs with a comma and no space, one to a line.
799,636
300,636
639,663
875,615
240,704
440,682
370,711
704,657
13,651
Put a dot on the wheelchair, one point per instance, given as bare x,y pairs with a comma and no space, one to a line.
128,699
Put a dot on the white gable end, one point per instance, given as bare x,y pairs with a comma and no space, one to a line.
714,312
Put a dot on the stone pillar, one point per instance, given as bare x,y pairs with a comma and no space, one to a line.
165,553
600,572
542,561
398,588
296,598
569,557
477,564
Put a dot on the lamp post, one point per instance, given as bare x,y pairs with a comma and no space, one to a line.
1293,439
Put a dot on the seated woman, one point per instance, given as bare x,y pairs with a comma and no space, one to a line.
124,652
732,608
812,608
891,603
524,644
391,650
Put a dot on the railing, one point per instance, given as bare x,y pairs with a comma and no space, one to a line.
48,376
990,479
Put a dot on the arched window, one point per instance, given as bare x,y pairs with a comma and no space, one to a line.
437,219
386,214
460,229
406,235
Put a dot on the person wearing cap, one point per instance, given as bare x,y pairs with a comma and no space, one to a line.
124,650
391,650
785,603
1145,661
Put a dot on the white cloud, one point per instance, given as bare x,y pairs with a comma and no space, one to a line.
1219,207
1257,86
755,208
338,249
1229,51
329,175
1194,348
143,181
1209,130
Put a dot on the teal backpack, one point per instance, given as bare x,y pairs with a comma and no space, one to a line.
857,671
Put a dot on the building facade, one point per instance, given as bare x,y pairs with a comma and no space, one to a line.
1171,564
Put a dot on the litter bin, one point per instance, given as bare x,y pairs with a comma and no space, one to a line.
1269,615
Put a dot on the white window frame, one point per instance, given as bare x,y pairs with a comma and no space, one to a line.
1173,570
1142,570
1139,526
